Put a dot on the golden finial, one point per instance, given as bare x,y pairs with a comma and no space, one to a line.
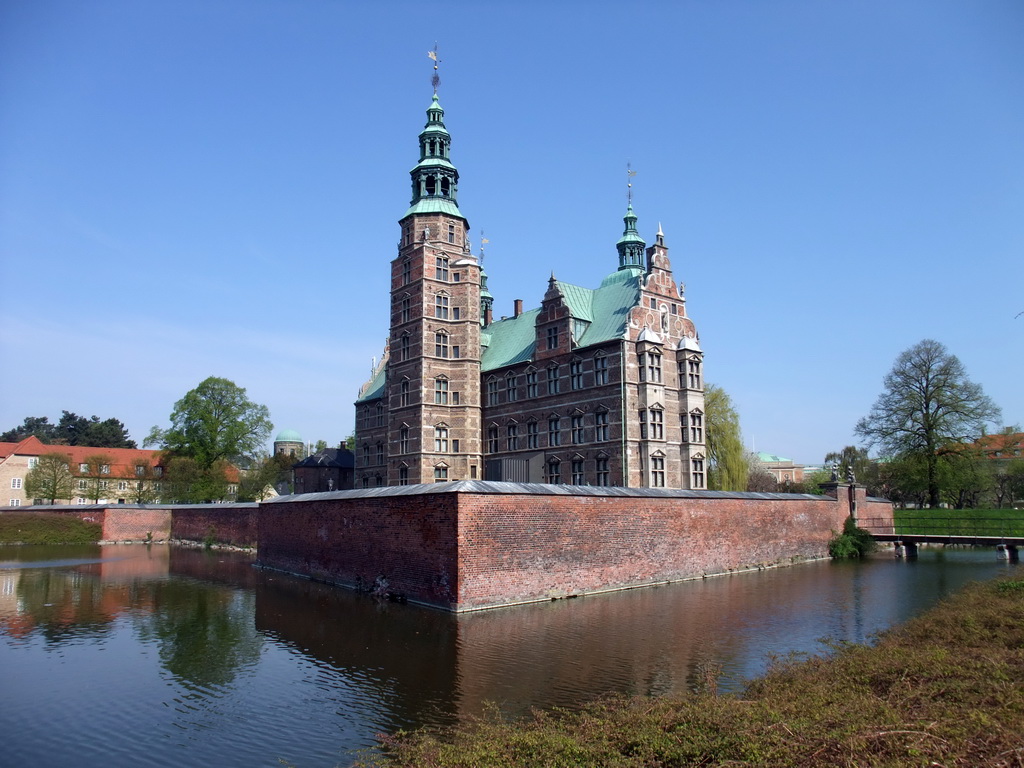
630,173
436,79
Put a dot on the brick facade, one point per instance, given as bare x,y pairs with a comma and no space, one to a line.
473,545
598,387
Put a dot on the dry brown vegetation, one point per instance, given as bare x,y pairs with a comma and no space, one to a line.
945,689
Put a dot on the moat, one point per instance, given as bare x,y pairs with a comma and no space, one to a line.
152,656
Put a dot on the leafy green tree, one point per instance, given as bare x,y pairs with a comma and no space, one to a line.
728,462
37,426
928,408
214,422
1007,484
320,446
51,478
97,476
72,429
142,486
264,476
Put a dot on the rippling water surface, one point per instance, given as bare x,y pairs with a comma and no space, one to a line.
151,656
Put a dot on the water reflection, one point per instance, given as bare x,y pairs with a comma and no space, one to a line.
221,663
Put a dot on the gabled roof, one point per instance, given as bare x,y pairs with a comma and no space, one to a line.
601,315
329,457
122,460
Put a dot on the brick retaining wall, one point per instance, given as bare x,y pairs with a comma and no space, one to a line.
470,545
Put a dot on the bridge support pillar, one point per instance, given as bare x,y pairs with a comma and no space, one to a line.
1013,552
907,549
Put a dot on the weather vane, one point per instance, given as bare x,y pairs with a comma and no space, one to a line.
483,241
436,79
630,173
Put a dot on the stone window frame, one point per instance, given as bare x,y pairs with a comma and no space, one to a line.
578,474
532,435
493,395
553,470
602,474
601,424
554,430
403,393
576,373
492,438
511,387
697,473
512,435
403,439
696,432
442,267
442,305
600,369
577,428
441,437
656,422
552,379
442,388
531,383
442,344
657,469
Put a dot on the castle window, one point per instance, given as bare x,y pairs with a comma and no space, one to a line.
492,439
654,366
378,480
693,368
451,232
513,437
696,427
601,426
456,351
405,309
380,415
366,454
405,393
403,475
441,439
456,313
554,471
406,266
578,477
554,431
553,380
440,391
492,392
600,370
576,374
553,337
455,445
440,474
511,390
697,469
576,430
380,453
441,344
441,306
404,347
531,385
446,189
407,234
657,421
366,481
657,471
602,470
531,435
403,440
441,267
643,423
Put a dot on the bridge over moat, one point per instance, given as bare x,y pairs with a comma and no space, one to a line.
1005,534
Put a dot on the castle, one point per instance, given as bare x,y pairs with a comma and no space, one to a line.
600,387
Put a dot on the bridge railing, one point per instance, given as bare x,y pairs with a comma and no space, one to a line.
946,524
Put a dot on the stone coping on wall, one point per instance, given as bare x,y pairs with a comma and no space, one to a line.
534,489
88,507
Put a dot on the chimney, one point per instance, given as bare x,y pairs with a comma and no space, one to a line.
488,317
519,308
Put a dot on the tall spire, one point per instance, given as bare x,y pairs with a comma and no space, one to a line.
631,245
435,181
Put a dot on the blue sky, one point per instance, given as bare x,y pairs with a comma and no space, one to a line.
207,188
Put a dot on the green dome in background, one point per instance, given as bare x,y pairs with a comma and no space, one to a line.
288,436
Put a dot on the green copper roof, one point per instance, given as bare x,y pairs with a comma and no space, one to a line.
434,205
375,388
288,436
432,162
601,316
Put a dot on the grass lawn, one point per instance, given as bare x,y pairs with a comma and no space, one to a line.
46,528
961,522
